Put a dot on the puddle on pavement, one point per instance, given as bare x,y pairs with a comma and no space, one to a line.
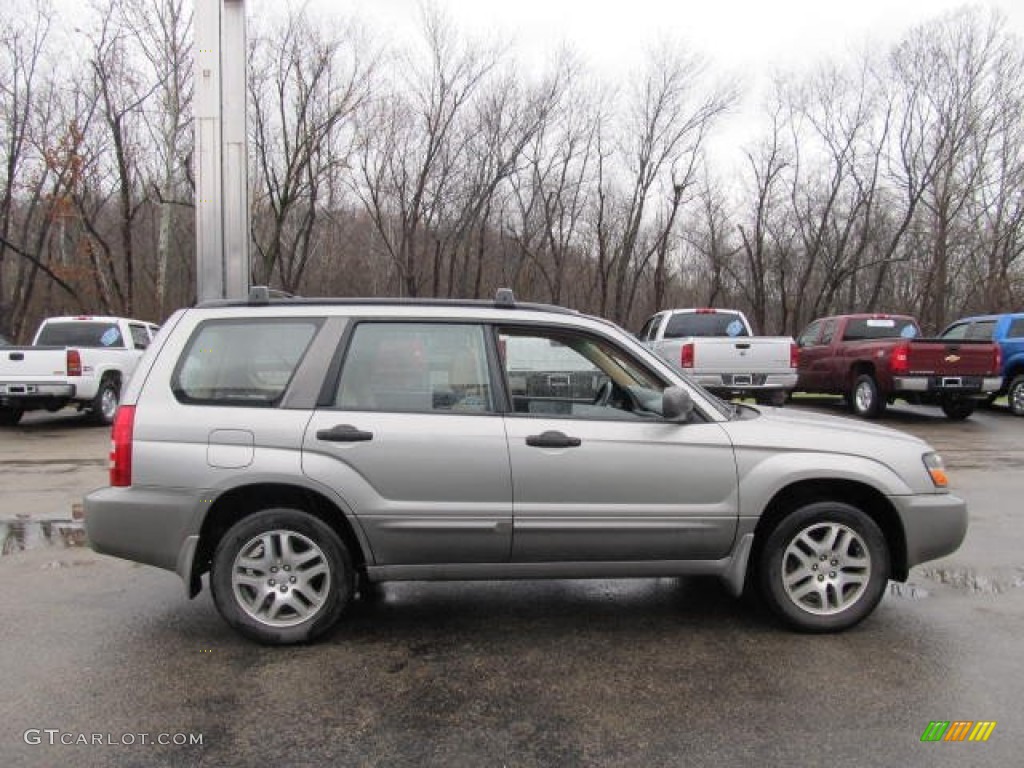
969,580
19,535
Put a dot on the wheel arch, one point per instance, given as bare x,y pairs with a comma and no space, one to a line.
866,498
240,502
859,368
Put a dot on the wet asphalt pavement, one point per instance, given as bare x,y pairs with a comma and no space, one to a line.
668,672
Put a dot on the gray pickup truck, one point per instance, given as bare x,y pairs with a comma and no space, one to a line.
295,450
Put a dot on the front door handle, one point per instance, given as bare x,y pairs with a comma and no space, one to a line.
553,439
344,433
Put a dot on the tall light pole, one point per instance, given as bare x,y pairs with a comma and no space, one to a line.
222,185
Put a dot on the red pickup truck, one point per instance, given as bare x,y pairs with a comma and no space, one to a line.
873,359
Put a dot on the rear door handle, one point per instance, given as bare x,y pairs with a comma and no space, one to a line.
553,439
344,433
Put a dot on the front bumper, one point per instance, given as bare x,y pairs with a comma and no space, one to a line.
934,525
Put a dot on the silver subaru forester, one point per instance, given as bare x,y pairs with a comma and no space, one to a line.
298,449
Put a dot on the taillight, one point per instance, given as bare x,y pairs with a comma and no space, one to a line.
686,356
794,356
707,311
900,362
121,446
997,363
74,362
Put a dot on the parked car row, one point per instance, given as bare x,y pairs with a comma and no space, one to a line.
870,359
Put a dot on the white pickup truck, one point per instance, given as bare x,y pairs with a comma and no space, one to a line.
717,348
82,360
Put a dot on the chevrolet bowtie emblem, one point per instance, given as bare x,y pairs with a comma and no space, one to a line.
952,358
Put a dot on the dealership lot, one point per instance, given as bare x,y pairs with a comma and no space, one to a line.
660,672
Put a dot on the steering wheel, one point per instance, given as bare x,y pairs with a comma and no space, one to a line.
604,393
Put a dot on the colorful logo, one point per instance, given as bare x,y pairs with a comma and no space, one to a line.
958,730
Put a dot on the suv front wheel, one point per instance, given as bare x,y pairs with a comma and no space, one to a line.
824,567
281,576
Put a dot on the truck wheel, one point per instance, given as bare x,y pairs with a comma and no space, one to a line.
775,398
104,405
281,576
1015,396
866,401
824,567
958,408
9,417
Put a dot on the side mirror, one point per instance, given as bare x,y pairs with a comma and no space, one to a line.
676,404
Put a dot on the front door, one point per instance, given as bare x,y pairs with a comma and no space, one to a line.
597,474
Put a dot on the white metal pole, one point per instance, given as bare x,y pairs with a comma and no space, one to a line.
234,152
221,169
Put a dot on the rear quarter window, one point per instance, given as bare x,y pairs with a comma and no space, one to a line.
241,362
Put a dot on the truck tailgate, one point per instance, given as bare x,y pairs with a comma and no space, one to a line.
32,363
952,358
761,354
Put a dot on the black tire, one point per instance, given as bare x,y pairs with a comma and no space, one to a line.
108,398
1015,395
776,398
315,576
9,417
865,399
852,576
958,408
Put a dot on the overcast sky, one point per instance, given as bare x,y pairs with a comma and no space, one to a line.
741,35
748,39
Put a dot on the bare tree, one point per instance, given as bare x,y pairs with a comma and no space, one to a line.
668,117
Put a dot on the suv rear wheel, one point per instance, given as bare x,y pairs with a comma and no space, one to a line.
824,567
281,576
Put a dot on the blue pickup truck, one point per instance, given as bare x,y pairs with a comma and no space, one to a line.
1007,331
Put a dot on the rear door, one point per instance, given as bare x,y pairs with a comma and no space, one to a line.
409,436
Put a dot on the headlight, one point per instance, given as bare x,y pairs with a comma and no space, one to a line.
936,469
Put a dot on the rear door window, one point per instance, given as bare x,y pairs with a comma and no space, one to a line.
416,368
242,362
